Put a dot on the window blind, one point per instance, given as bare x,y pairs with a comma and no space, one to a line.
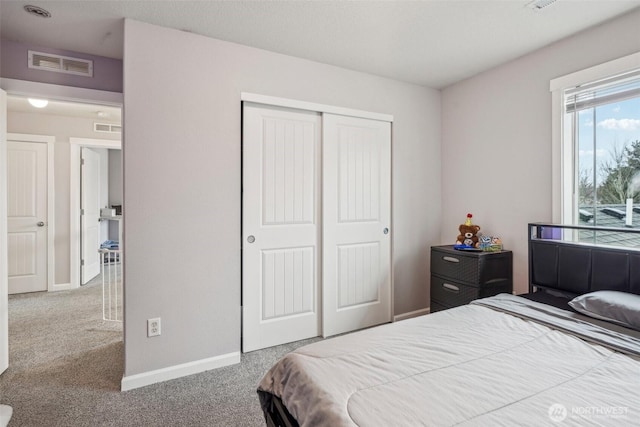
602,92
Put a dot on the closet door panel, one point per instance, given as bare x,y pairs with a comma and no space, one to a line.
281,202
356,221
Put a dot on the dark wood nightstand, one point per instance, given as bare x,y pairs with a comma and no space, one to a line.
458,277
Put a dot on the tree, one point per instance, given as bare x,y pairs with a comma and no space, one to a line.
585,187
633,155
622,176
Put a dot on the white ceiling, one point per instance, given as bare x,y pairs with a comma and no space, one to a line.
99,113
431,42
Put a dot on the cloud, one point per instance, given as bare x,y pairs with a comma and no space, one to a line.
586,119
620,124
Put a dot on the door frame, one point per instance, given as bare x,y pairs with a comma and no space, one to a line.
61,93
75,145
275,101
4,278
38,90
51,256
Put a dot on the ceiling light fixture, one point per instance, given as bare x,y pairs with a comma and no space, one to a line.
38,103
37,11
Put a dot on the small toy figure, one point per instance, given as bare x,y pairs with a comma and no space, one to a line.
485,242
490,244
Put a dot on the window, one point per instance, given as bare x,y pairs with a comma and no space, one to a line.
603,124
597,131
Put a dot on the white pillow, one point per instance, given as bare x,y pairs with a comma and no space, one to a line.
621,308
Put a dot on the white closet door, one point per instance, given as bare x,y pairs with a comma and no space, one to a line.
356,221
281,207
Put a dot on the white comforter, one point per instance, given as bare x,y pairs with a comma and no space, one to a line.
470,365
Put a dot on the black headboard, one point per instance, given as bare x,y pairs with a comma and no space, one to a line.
558,261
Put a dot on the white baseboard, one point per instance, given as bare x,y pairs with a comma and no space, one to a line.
411,314
172,372
61,287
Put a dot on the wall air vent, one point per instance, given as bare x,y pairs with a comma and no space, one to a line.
540,4
107,128
60,64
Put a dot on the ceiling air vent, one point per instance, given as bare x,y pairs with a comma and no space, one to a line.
37,11
540,4
60,64
106,127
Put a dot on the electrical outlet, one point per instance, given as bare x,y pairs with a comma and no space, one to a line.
153,327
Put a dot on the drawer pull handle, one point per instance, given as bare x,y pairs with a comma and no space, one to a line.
450,259
450,287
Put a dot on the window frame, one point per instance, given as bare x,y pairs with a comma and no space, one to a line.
563,162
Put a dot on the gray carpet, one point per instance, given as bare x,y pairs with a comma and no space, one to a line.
66,364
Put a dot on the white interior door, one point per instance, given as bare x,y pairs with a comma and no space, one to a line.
356,223
281,199
89,214
27,216
4,286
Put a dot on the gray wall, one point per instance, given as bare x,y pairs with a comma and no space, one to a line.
115,187
115,177
107,72
103,190
496,139
182,182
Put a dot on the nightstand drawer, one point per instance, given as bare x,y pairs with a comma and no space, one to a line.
473,268
447,293
450,293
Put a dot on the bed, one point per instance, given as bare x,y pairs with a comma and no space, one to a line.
500,361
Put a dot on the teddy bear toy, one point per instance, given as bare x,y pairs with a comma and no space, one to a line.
468,236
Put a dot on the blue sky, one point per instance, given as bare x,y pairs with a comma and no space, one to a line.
616,126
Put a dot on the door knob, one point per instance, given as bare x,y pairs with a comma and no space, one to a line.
251,239
385,231
40,224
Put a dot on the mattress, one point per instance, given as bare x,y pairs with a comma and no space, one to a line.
500,361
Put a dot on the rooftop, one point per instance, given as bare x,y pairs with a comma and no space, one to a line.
610,216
